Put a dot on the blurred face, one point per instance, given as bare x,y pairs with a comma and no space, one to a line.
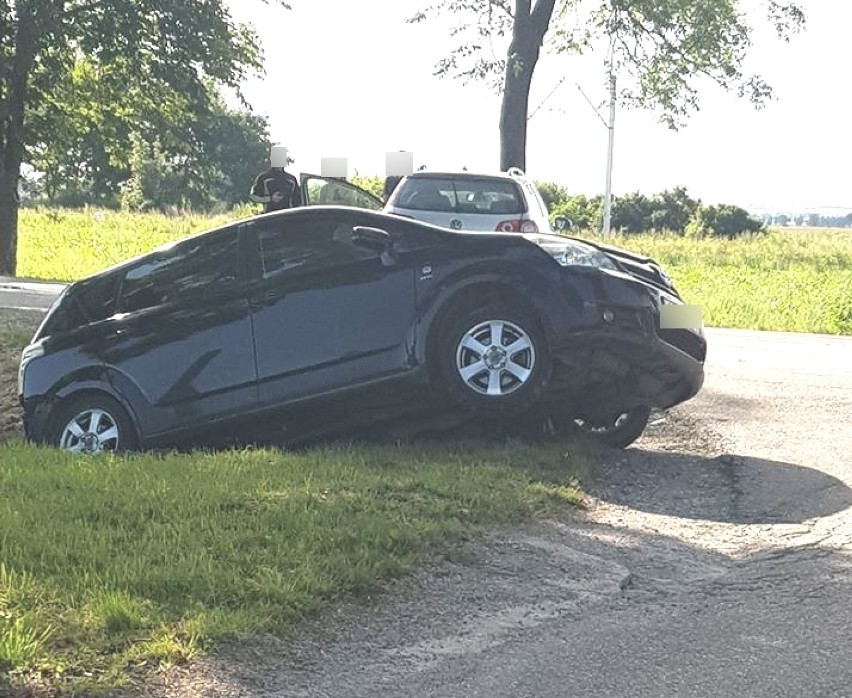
278,156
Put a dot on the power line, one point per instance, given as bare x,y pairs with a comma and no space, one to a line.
550,94
594,108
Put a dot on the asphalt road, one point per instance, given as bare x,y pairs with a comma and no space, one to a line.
27,294
713,560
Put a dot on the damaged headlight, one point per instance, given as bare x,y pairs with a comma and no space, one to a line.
576,254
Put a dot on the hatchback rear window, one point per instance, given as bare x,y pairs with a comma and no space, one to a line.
463,195
87,301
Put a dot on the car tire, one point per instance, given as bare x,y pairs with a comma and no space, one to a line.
619,431
93,424
480,370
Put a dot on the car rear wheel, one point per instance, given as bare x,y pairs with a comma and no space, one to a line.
494,359
93,424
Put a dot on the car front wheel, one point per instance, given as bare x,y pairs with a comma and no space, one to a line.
494,359
618,431
93,424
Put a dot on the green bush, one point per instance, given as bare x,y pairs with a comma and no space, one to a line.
672,210
374,185
583,212
722,221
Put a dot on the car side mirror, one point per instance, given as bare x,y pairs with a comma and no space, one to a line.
375,239
561,223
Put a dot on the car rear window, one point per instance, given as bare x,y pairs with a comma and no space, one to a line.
460,195
87,301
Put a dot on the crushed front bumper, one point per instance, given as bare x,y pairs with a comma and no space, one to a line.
627,361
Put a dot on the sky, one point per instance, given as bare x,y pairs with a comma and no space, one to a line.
352,79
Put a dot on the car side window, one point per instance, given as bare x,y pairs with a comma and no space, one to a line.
188,267
336,192
305,243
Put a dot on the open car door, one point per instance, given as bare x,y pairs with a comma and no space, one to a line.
332,191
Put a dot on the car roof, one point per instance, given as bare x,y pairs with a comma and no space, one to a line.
501,176
380,216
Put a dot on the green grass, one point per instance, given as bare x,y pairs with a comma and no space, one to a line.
112,562
797,280
68,244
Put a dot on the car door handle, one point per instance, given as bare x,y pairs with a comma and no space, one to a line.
115,335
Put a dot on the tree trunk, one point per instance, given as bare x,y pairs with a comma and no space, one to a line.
12,138
8,223
528,30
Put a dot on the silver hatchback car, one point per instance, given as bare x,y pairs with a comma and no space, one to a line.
506,202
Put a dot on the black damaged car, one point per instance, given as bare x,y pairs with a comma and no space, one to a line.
316,319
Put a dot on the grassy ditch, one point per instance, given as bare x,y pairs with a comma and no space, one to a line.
110,566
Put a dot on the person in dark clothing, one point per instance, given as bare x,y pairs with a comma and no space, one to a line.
390,184
276,188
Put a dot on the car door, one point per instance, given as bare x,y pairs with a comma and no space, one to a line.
332,191
182,341
327,312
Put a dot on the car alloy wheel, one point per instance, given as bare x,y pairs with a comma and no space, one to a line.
495,358
92,425
91,431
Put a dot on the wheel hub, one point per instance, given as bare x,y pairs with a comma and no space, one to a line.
495,358
90,443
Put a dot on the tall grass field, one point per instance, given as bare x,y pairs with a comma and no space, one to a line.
789,279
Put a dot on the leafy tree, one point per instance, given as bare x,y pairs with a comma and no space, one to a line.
632,213
151,62
552,194
159,181
660,48
673,210
86,154
583,212
723,221
219,172
237,148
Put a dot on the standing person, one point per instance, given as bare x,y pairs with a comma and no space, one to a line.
390,184
276,188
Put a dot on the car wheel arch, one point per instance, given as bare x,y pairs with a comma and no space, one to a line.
82,391
476,293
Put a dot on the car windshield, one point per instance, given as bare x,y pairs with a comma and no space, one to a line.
462,195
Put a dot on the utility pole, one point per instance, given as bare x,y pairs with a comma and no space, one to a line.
607,214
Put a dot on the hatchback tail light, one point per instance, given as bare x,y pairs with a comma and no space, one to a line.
516,226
